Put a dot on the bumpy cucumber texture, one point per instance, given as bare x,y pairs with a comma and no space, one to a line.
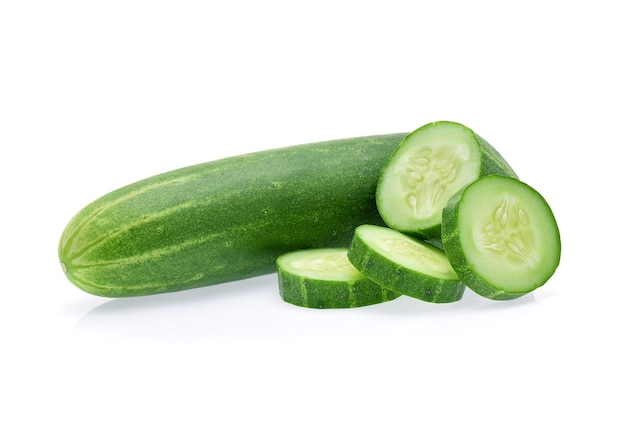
325,279
224,220
501,237
429,166
404,264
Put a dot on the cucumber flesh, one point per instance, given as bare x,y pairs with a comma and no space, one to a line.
404,264
427,168
325,279
501,237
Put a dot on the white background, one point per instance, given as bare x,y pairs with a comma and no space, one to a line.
95,95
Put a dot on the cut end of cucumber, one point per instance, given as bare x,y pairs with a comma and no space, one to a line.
428,167
501,237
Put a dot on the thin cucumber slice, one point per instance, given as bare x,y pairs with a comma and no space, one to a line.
501,237
404,264
325,279
429,166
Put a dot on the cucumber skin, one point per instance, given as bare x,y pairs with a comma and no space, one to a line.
389,275
491,162
322,294
454,250
224,220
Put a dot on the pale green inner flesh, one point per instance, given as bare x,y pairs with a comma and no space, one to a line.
407,252
426,170
321,264
508,234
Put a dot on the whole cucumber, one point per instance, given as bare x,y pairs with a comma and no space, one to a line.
224,220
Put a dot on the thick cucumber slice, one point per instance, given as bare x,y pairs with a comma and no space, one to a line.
501,237
324,279
404,264
427,168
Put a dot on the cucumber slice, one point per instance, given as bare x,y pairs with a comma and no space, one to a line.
325,279
404,264
501,237
426,169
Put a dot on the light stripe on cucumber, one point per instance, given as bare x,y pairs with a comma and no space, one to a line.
404,264
501,237
325,279
426,169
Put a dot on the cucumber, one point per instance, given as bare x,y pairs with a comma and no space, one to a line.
325,279
404,264
426,169
501,237
224,220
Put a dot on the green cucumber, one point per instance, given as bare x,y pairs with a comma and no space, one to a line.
426,169
224,220
501,237
325,279
404,264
